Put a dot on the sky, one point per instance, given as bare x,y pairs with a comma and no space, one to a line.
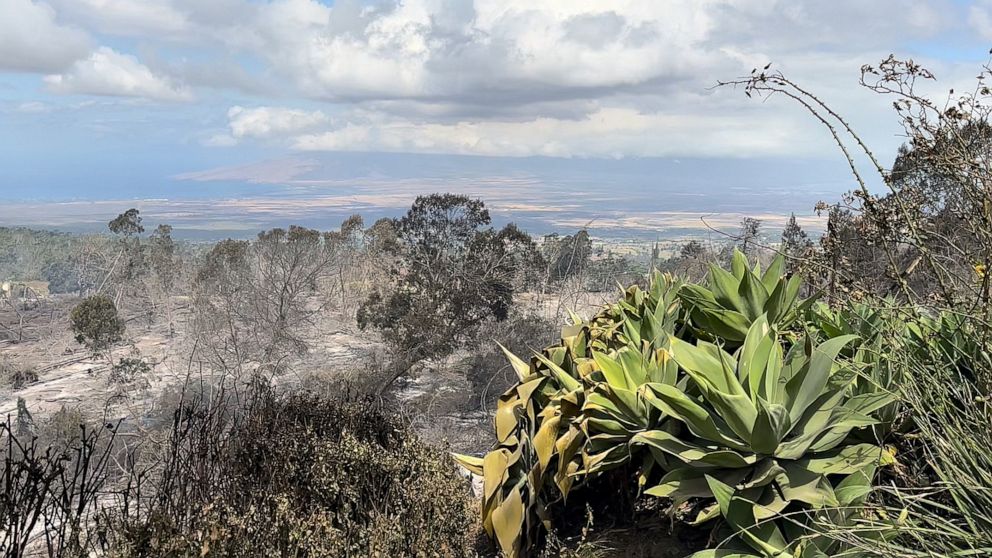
226,116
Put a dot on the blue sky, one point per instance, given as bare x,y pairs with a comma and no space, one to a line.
131,100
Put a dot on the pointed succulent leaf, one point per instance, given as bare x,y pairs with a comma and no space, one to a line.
469,462
521,368
508,520
675,403
770,428
773,273
690,453
753,295
565,379
806,387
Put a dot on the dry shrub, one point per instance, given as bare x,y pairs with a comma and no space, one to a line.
301,475
16,375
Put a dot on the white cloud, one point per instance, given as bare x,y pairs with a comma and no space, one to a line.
500,77
980,18
126,17
108,72
608,132
32,40
266,122
220,140
33,107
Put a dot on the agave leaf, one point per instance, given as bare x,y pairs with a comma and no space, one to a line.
773,273
722,492
633,366
753,294
807,386
632,329
508,521
720,553
565,379
803,485
567,447
506,419
521,368
494,466
738,264
612,370
854,488
769,504
708,513
770,427
725,288
773,388
728,325
692,454
846,460
576,319
544,441
814,422
525,389
470,462
778,300
754,355
674,402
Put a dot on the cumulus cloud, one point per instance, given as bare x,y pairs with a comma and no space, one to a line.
608,132
126,17
266,122
498,77
108,72
32,40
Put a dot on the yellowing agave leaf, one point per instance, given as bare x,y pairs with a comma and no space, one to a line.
469,462
521,368
506,419
494,467
544,441
508,522
612,370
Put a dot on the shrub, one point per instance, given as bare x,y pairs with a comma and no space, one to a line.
300,475
128,370
96,324
16,375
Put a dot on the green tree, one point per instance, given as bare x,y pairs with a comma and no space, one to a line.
453,273
96,323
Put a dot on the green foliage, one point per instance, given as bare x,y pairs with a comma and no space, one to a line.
127,223
710,395
566,256
732,301
128,370
453,272
96,324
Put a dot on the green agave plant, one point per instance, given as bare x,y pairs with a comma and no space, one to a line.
880,332
768,435
732,300
648,381
573,410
